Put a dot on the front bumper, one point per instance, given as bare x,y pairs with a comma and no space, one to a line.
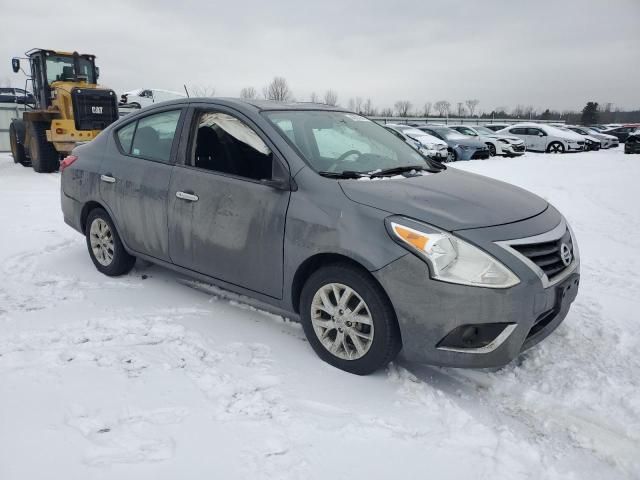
429,310
512,150
574,148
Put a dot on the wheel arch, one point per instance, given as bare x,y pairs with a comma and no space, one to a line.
313,264
86,210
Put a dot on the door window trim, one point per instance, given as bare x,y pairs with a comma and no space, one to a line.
176,136
188,144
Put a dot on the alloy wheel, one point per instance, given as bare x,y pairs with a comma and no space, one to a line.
342,321
101,239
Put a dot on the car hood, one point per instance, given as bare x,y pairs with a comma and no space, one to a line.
451,199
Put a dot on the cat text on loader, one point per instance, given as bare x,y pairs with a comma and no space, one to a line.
70,108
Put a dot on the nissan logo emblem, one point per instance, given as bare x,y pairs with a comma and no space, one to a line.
565,254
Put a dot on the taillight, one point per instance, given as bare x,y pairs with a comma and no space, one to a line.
68,160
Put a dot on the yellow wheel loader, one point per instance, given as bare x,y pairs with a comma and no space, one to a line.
70,107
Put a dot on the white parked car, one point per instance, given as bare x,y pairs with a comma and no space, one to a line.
143,97
506,145
426,144
497,126
545,138
608,141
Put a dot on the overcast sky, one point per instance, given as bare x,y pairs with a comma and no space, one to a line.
556,54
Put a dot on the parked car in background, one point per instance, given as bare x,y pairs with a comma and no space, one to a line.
607,141
143,97
498,144
632,145
16,95
621,132
461,147
435,262
590,143
423,142
497,126
544,138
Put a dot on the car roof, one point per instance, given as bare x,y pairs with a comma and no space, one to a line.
260,105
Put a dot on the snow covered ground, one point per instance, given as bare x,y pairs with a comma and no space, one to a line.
152,376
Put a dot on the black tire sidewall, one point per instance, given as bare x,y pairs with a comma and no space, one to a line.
17,149
550,148
122,262
386,338
44,157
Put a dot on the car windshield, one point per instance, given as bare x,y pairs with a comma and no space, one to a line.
339,142
484,130
450,134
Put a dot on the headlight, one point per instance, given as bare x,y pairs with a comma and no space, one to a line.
464,147
450,259
502,140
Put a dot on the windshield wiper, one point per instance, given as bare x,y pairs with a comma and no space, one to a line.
344,174
396,170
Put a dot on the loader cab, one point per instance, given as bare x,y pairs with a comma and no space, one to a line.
48,66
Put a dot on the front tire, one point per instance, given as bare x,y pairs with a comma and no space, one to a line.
44,157
105,247
555,147
492,149
348,319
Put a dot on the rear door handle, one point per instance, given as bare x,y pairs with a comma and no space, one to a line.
189,197
107,178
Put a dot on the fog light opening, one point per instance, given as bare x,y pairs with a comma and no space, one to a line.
476,338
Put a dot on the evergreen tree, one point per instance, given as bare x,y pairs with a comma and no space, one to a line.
590,113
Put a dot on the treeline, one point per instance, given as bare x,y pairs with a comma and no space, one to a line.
278,89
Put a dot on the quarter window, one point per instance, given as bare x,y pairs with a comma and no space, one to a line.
125,136
226,144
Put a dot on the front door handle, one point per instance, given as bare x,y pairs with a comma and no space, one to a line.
107,178
189,197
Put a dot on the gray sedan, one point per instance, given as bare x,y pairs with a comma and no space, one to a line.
320,214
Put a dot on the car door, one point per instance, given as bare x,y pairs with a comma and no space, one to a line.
228,199
134,179
537,139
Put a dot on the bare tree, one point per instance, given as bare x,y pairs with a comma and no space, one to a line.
202,91
248,93
529,111
278,90
386,112
368,107
314,97
402,107
471,105
427,109
351,105
461,109
331,98
518,111
358,104
442,106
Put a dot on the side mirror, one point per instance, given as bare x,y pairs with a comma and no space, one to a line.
541,134
15,65
280,177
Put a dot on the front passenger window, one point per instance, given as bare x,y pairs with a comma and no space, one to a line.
226,144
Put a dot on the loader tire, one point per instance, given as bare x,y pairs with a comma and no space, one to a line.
44,157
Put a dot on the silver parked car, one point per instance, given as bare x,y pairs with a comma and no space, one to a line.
426,144
323,215
607,141
504,145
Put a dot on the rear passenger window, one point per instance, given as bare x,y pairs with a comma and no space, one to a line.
125,136
518,131
154,136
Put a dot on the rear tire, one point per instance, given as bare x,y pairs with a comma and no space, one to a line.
44,157
17,149
343,309
105,247
555,147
